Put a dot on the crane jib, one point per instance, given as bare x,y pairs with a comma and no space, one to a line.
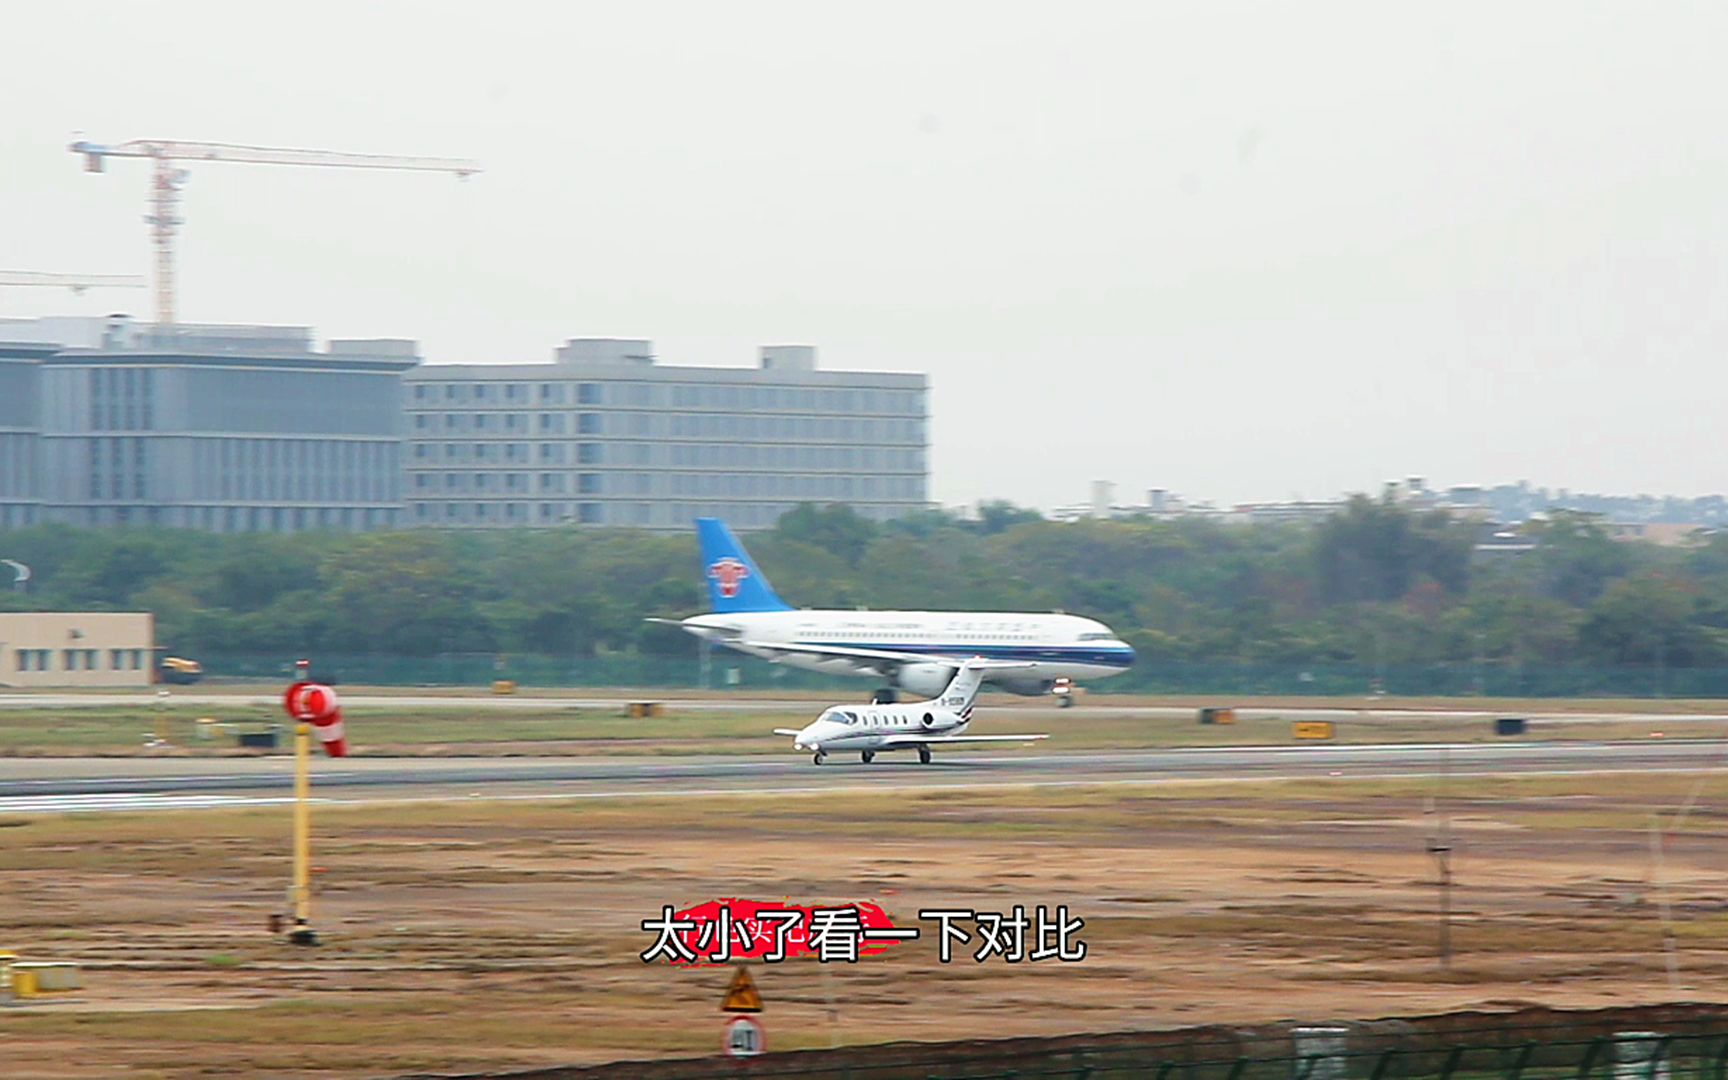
165,188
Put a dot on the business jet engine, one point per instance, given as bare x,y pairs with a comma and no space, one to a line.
924,680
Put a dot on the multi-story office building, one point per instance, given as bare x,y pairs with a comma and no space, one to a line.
605,436
20,435
224,428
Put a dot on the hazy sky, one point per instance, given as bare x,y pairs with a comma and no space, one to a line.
1241,251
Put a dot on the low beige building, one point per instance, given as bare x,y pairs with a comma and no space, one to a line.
59,648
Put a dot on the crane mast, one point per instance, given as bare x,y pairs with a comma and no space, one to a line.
167,180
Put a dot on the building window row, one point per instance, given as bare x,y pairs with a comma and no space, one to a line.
122,399
659,395
662,485
661,515
673,426
296,470
675,455
78,659
117,467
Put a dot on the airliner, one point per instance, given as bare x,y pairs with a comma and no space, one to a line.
915,651
921,726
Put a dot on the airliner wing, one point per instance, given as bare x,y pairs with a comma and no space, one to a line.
886,656
838,652
899,741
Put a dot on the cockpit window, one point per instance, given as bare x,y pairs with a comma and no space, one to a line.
840,716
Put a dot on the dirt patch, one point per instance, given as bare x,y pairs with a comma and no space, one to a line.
495,935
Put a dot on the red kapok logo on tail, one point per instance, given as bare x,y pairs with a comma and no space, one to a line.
727,573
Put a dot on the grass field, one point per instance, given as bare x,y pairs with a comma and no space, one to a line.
487,935
465,728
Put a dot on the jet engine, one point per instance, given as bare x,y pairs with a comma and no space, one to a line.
924,680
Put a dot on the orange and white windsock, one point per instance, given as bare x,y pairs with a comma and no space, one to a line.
316,704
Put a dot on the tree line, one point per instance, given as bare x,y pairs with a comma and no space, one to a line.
1375,583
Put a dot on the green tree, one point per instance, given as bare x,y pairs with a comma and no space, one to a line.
1647,619
835,528
401,593
1575,558
1376,550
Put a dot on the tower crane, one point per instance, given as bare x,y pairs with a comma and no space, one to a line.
76,282
164,219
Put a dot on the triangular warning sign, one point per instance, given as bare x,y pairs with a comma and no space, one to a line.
741,996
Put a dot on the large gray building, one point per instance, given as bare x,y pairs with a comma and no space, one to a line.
20,435
605,436
247,428
223,428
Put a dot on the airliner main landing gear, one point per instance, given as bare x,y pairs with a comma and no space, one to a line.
1064,691
867,755
923,755
887,695
819,757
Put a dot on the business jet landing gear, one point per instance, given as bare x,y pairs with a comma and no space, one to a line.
819,758
887,695
923,755
867,755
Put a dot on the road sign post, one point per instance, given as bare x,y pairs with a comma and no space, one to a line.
744,1037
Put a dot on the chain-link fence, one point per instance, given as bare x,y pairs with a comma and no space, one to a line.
1385,1051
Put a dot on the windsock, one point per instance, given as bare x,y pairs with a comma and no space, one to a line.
316,704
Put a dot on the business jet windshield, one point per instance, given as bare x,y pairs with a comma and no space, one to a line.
840,716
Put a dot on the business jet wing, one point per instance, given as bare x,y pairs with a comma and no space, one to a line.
898,742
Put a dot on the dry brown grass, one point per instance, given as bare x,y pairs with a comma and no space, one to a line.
487,935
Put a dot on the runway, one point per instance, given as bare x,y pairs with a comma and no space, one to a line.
60,785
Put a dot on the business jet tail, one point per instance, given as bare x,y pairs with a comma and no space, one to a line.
963,689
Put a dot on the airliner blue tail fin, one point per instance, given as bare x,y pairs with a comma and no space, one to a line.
734,583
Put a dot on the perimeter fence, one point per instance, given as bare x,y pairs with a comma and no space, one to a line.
1566,1049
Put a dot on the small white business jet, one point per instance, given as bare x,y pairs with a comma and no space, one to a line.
920,726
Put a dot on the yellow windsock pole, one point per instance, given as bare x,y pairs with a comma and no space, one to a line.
303,934
300,892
